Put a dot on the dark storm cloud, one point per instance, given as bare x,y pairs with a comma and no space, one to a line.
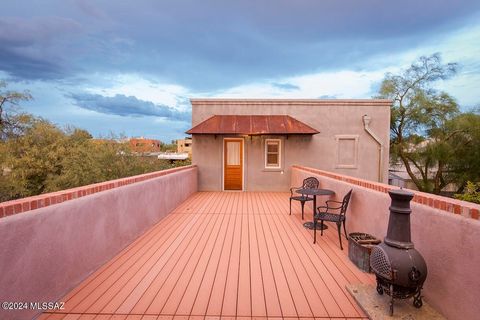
215,44
36,48
122,105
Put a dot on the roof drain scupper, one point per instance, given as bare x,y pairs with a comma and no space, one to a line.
366,121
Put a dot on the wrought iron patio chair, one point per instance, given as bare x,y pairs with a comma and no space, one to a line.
308,183
326,213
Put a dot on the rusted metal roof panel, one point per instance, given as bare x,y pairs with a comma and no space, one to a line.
277,124
252,125
212,124
259,125
244,126
227,124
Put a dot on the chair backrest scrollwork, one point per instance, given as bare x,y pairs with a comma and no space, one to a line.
345,202
310,183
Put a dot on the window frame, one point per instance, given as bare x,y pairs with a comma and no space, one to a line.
265,153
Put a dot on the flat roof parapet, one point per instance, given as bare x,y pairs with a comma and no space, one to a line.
293,102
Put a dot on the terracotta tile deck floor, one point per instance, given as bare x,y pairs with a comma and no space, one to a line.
223,255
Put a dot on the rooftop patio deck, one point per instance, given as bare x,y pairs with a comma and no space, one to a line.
223,254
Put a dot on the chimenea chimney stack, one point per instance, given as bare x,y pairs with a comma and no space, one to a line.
400,269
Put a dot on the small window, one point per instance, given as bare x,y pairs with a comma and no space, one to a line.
272,153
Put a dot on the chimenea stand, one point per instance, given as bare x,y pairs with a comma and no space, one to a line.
399,268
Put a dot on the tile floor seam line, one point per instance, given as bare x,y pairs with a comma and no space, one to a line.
312,263
181,255
260,263
207,203
260,207
120,266
267,196
231,207
216,269
141,266
223,199
233,221
283,268
203,275
239,264
193,251
217,205
337,255
223,202
185,203
115,259
241,213
330,273
228,268
214,204
154,264
192,235
275,223
261,271
271,267
255,203
305,268
226,204
240,203
192,199
204,200
331,260
249,265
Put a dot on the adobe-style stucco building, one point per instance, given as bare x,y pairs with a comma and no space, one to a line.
185,146
251,144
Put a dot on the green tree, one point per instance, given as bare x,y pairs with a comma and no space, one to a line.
11,121
169,147
464,131
46,158
419,117
31,159
471,193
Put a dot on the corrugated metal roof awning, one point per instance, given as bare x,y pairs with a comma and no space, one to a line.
252,125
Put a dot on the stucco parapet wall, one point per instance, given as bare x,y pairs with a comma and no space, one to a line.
463,208
296,102
9,208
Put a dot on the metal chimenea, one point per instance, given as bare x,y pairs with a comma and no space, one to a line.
399,268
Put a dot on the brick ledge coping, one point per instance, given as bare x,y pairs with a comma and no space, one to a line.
463,208
12,207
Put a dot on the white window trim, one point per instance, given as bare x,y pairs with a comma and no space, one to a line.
346,137
279,153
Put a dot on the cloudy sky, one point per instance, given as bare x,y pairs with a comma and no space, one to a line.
131,66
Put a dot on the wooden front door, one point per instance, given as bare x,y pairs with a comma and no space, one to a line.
233,164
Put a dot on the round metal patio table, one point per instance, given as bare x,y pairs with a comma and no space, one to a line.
315,193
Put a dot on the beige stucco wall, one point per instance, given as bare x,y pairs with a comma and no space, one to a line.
185,145
331,117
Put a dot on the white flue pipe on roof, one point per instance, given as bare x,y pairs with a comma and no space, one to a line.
366,121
